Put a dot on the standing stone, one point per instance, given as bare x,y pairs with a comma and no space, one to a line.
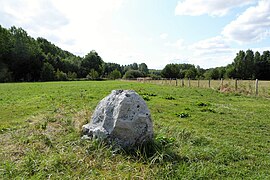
123,118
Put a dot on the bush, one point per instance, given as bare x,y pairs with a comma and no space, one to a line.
5,75
115,74
93,75
132,74
72,75
60,75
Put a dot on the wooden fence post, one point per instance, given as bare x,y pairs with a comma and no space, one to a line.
236,85
188,82
175,81
183,84
256,87
209,83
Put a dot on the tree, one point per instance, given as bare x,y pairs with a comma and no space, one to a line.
60,75
155,74
134,66
200,72
25,56
71,76
93,75
239,65
115,74
222,72
249,65
109,68
92,61
47,72
5,74
265,65
5,45
170,71
144,69
212,74
257,64
131,74
230,71
191,73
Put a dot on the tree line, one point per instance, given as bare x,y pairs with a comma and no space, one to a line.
246,65
23,58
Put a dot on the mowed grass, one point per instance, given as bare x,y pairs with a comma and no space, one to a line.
202,133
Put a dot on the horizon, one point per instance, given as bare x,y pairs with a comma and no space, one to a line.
152,32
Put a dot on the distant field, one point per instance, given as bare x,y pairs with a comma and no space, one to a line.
246,87
220,135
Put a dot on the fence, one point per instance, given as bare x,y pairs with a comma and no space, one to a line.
249,87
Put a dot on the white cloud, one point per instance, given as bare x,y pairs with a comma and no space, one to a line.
90,24
179,44
163,36
251,25
260,49
34,14
212,45
210,7
213,60
212,52
208,53
84,24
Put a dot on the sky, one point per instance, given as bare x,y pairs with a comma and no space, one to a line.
207,33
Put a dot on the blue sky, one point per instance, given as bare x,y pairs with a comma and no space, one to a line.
207,33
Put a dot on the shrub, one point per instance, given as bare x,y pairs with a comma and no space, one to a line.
115,74
60,75
72,75
93,75
132,74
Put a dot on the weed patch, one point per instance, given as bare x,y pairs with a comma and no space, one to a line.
183,115
146,97
202,104
208,110
158,151
170,98
148,94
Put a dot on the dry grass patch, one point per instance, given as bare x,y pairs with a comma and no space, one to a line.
81,118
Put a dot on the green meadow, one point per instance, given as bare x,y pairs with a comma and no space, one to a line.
199,133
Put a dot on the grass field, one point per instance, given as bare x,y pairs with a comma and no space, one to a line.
201,133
